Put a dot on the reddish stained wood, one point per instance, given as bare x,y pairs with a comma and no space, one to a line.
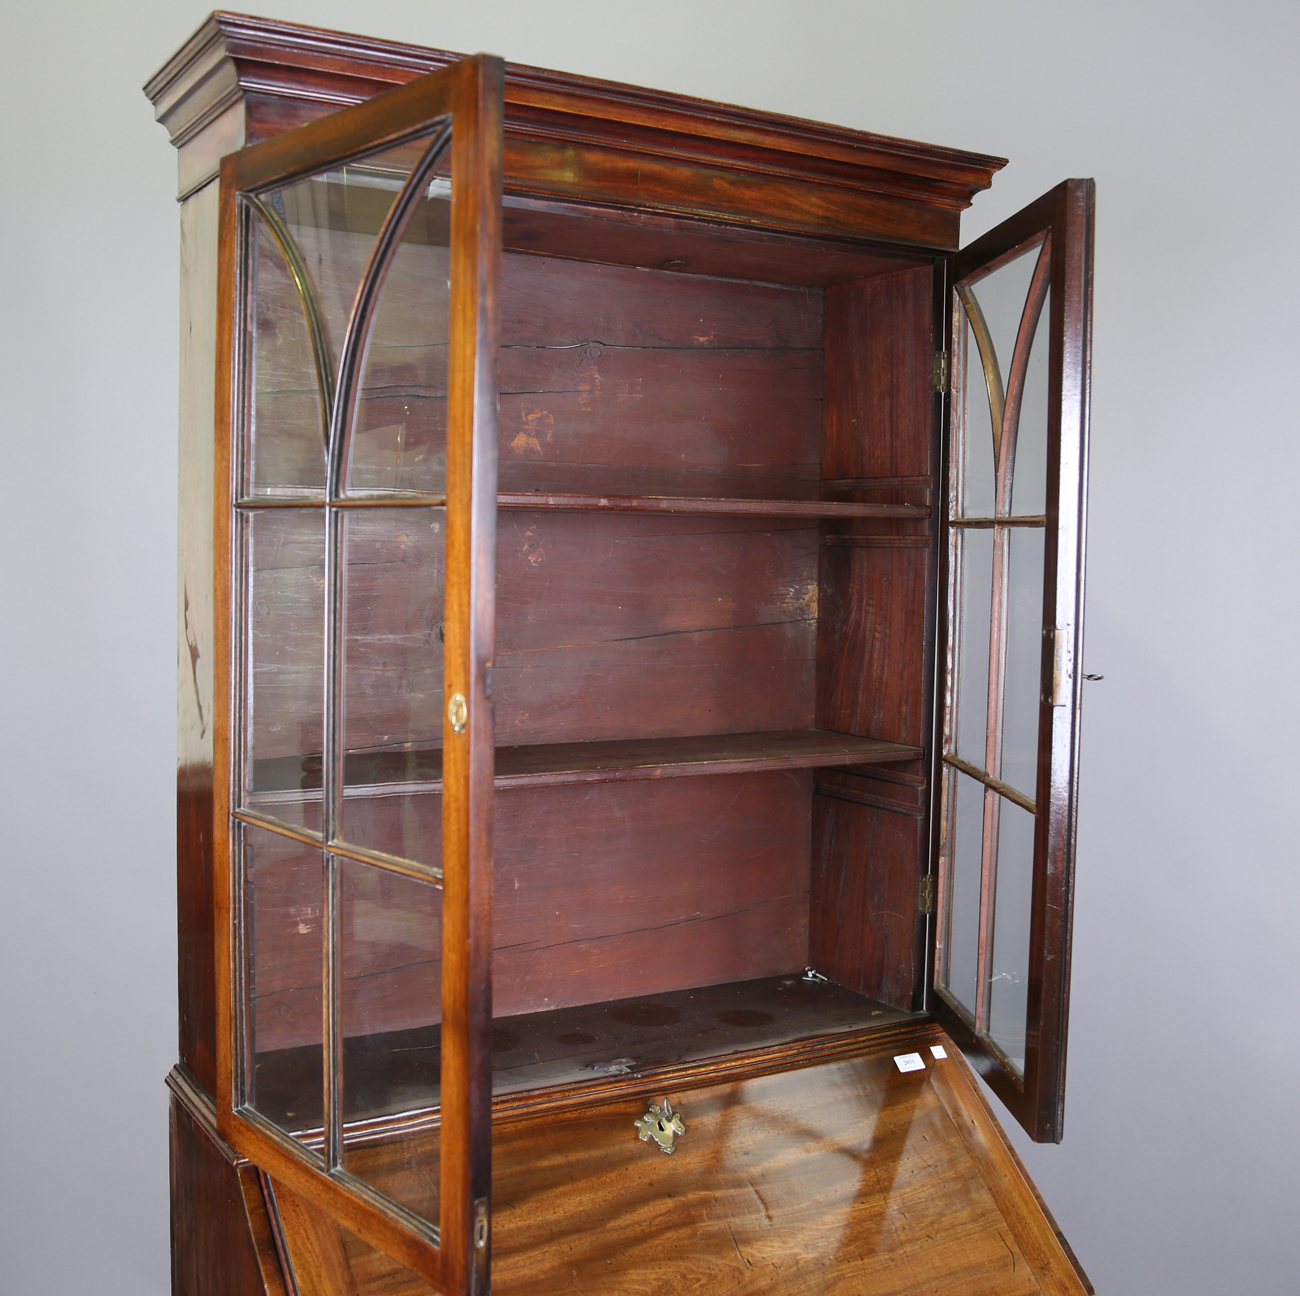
688,246
864,922
575,578
880,341
213,1252
847,1177
731,507
863,185
634,888
632,421
871,635
713,680
562,303
196,952
652,626
674,757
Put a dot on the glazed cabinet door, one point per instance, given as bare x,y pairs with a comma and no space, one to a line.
360,281
1018,314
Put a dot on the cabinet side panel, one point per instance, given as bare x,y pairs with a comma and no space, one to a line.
196,645
863,911
875,637
213,1253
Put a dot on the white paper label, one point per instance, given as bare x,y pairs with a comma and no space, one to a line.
938,1050
909,1062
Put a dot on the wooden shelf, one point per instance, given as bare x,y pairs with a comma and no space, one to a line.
397,1071
688,504
644,758
549,764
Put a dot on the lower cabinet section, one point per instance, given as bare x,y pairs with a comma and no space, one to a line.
846,1175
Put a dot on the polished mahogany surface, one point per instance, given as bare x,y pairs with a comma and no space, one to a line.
851,1177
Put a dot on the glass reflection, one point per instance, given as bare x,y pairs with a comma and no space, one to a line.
1029,483
390,952
978,485
399,442
303,297
965,853
1009,988
286,644
975,577
393,687
288,416
284,1010
1022,684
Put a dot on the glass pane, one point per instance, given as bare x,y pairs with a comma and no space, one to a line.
285,663
975,599
287,427
1001,296
329,224
1022,685
392,719
1009,991
1029,481
965,853
284,903
400,438
390,954
977,486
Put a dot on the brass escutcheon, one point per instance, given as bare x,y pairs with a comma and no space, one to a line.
661,1124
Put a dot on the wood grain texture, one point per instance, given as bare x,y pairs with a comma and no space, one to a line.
314,1242
846,1178
196,938
567,133
873,639
653,241
792,508
864,922
613,627
213,1251
628,889
618,381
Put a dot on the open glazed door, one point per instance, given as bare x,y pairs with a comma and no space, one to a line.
1018,317
360,281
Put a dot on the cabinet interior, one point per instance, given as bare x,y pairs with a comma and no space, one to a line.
713,672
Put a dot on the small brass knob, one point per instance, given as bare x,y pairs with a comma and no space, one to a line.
458,713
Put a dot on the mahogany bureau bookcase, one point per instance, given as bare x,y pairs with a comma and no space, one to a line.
631,578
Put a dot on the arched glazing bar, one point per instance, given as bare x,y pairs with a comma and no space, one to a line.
356,339
1004,398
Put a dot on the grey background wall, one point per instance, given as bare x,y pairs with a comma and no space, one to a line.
1180,1170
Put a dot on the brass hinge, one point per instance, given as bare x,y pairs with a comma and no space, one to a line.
939,371
925,901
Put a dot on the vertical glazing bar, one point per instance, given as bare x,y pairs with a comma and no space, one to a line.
330,1000
239,968
993,766
331,818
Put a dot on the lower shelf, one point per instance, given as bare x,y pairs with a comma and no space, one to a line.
397,1071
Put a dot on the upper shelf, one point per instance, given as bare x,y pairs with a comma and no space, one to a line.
623,760
687,504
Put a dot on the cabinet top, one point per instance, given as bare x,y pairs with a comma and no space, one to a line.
240,79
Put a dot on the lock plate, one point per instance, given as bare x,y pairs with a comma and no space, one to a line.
661,1126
